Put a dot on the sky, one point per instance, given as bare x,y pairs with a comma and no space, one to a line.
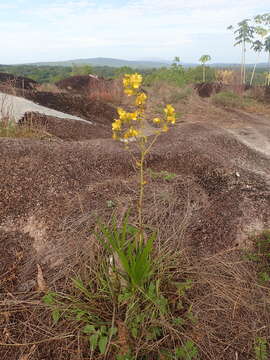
45,30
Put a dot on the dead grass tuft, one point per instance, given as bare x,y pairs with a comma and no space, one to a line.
231,307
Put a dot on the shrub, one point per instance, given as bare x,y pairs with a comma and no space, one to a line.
261,256
228,99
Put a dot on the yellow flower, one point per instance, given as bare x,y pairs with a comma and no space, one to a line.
126,81
131,132
136,80
132,82
169,110
116,125
129,92
133,116
141,99
115,136
156,120
171,119
122,113
165,128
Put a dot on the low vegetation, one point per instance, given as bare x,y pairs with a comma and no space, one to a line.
230,99
13,130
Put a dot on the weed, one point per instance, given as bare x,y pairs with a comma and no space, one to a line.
261,349
261,256
188,351
135,299
130,303
164,175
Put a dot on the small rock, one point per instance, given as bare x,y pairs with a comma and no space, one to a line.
27,286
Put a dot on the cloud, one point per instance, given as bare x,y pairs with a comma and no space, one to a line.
133,29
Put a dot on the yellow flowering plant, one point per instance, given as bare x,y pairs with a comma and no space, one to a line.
135,283
130,126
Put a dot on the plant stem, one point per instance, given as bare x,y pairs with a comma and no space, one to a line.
253,73
203,73
244,63
140,205
268,80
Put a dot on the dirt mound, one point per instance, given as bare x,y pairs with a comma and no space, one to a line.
207,89
84,84
78,105
17,81
58,183
267,93
215,193
66,129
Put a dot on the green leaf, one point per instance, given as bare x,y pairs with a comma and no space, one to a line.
134,332
264,277
184,286
80,286
102,344
188,351
49,299
191,317
112,331
80,314
56,315
89,329
260,348
132,230
103,329
93,340
179,321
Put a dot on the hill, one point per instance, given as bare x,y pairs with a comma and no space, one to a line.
136,64
99,61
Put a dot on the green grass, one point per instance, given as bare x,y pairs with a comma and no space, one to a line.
132,305
229,99
261,256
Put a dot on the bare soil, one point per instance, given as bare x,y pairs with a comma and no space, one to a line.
84,84
19,82
52,192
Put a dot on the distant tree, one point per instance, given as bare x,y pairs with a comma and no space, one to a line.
243,34
124,70
176,61
267,49
264,19
203,60
81,70
258,46
176,67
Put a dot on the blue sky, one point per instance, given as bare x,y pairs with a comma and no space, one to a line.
45,30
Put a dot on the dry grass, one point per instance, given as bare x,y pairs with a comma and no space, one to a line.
230,310
231,306
110,92
48,87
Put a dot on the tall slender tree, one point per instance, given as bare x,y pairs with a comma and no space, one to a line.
243,35
203,60
267,49
258,47
265,20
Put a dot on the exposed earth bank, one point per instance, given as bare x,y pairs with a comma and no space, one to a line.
221,187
